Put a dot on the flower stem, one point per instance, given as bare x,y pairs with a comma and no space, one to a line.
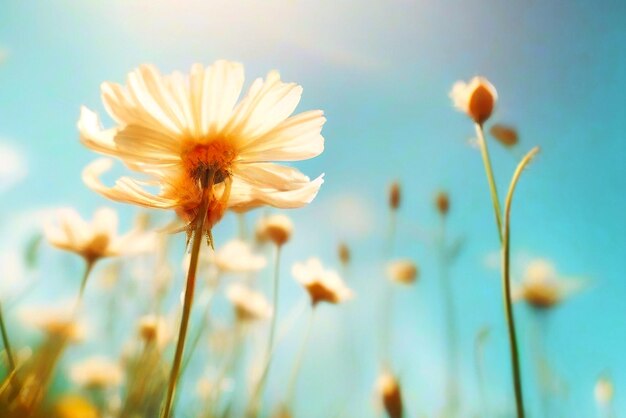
451,385
506,283
293,380
258,393
198,232
490,178
5,342
83,283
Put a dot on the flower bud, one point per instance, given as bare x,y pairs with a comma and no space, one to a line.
394,195
344,253
476,98
506,135
275,228
442,201
402,271
390,395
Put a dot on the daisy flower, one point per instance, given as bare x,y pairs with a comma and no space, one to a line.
249,305
322,285
542,288
97,239
188,134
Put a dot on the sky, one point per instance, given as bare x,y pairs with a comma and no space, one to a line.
381,71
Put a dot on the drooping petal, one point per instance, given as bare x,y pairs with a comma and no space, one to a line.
93,136
245,196
125,190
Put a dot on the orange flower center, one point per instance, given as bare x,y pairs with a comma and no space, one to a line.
214,158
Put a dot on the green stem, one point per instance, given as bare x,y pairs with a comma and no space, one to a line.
258,393
490,178
7,345
480,373
83,283
196,339
506,284
198,233
293,380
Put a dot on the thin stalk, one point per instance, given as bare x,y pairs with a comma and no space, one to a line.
197,236
196,338
451,383
89,263
258,393
480,372
506,284
6,343
490,178
293,380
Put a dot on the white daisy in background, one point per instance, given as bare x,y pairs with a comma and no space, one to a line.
97,239
55,321
96,373
187,133
275,228
322,285
542,287
249,304
236,256
154,329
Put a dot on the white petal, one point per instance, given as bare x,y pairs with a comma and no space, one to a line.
139,144
126,190
265,106
297,138
245,196
92,135
221,87
105,222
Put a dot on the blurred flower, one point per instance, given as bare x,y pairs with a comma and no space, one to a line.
236,256
249,305
53,321
388,389
74,406
394,195
604,391
188,133
153,329
476,98
402,271
506,135
98,239
275,228
542,288
207,388
442,202
96,373
322,285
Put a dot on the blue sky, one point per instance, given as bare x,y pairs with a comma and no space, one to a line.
381,72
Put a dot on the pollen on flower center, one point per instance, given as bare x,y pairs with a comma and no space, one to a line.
215,157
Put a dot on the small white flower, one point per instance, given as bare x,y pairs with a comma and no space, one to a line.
322,285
